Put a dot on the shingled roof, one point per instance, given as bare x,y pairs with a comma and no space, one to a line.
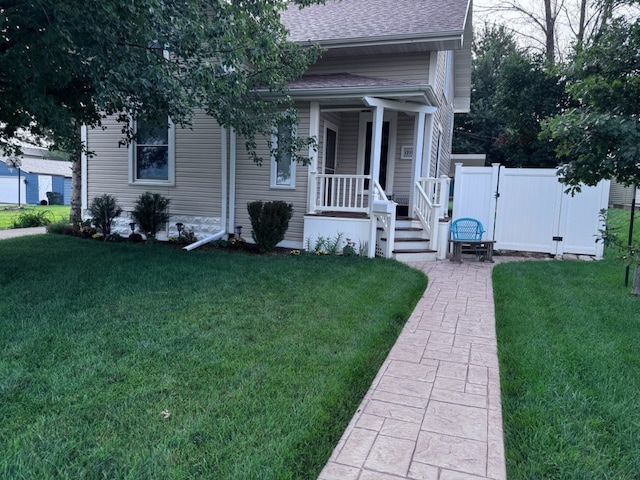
344,20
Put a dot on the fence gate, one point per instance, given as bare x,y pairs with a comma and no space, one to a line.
526,209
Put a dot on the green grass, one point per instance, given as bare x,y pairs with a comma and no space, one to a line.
260,360
568,336
11,213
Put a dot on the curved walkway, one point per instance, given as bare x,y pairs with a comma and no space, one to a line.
433,412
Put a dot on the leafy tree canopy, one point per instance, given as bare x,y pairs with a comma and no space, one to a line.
512,91
600,139
65,63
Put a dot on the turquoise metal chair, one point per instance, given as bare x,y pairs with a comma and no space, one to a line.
467,229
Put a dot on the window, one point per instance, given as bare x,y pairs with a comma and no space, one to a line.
152,154
283,168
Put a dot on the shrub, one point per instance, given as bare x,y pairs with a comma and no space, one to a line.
61,227
32,218
270,221
103,210
150,212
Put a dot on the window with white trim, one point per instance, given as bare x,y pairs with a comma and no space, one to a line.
283,167
152,154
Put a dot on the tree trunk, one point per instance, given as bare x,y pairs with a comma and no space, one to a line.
636,282
75,213
550,32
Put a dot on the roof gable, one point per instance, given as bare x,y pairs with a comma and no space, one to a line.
351,21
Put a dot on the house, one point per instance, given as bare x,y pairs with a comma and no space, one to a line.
33,179
380,103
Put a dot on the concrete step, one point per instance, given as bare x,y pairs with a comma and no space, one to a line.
411,243
415,255
409,232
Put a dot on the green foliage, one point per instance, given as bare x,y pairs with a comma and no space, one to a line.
599,139
150,212
333,246
32,218
61,227
512,91
104,210
269,222
65,66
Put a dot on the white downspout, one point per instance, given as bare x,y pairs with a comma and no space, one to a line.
84,175
224,151
232,179
228,201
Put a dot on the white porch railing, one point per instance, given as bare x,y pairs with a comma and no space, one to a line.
383,215
341,193
431,204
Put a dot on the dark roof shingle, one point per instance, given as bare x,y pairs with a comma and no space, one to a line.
353,19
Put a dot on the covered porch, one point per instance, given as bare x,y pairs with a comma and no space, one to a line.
375,165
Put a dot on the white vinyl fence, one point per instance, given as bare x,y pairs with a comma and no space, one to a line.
526,209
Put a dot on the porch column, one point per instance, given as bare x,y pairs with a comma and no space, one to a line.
376,144
314,132
427,148
416,168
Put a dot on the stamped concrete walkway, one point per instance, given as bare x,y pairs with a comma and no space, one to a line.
433,412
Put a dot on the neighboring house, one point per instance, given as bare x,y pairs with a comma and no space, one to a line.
36,180
380,103
621,196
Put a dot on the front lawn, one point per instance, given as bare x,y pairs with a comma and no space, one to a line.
568,343
10,214
147,362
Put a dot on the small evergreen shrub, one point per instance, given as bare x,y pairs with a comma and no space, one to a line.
104,210
269,221
150,212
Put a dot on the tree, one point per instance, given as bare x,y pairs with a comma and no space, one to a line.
600,138
65,65
553,27
512,91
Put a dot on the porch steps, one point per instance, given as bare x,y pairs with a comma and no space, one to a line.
411,244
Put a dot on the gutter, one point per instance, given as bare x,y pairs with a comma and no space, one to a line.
453,37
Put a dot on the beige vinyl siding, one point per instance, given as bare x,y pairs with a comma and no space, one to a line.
412,68
348,143
253,183
198,174
402,178
442,121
